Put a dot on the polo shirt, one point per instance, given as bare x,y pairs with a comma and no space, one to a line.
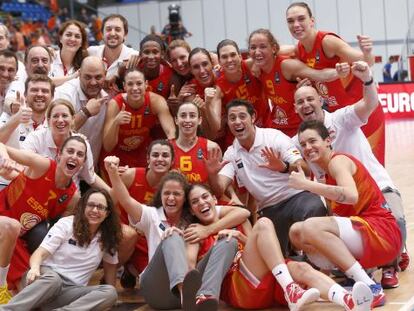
126,52
69,259
268,187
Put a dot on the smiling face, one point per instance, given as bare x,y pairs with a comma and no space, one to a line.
151,54
4,39
38,61
160,159
134,86
188,119
114,33
96,209
308,104
179,60
71,38
72,157
202,69
315,149
61,120
261,50
299,22
38,95
203,205
230,59
92,77
241,125
172,198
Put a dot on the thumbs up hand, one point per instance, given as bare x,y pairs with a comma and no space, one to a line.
123,117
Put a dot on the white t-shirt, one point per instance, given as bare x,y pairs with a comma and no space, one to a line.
93,127
70,260
57,68
98,51
344,128
268,187
41,142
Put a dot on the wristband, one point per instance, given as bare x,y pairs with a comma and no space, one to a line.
86,112
286,170
369,82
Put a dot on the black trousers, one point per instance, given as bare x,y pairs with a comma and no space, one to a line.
297,208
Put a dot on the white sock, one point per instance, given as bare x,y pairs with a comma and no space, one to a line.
336,294
282,275
3,275
357,273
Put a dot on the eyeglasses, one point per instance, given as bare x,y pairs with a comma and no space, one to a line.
99,207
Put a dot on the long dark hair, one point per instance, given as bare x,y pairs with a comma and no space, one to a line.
110,228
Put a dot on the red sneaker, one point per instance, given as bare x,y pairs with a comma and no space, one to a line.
379,296
360,299
404,260
389,278
297,297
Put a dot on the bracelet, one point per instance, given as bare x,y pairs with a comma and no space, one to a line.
369,82
286,170
86,112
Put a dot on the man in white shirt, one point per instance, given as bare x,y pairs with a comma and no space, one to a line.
89,100
8,70
261,160
27,114
114,51
344,128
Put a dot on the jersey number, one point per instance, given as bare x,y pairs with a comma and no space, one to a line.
185,164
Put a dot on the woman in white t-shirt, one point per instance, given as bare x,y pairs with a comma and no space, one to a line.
47,140
61,267
73,43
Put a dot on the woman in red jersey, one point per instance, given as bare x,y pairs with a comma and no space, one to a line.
279,75
260,277
189,148
129,119
362,232
43,190
318,50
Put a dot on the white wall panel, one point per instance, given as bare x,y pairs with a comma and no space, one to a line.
131,13
148,16
349,19
326,16
235,22
396,19
193,20
278,24
214,27
373,18
257,14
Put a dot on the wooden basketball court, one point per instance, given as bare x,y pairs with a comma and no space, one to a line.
400,164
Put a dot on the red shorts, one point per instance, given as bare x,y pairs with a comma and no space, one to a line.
239,292
19,263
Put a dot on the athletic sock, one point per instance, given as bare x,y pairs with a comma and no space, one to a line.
357,273
282,275
3,275
336,294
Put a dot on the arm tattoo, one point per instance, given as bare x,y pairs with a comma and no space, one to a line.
341,195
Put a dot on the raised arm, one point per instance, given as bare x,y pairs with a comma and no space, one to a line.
294,68
131,206
113,119
369,103
218,183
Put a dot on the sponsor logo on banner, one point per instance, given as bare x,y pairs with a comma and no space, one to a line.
397,100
